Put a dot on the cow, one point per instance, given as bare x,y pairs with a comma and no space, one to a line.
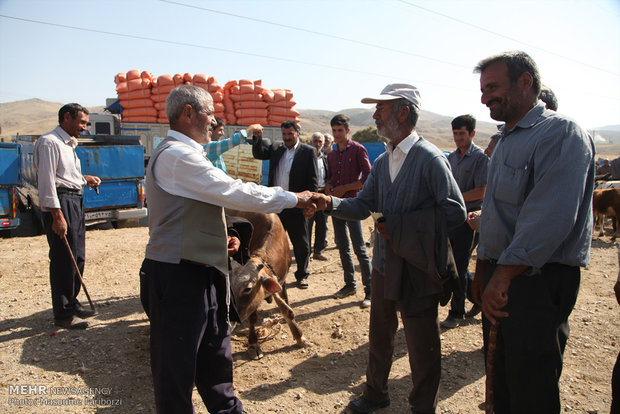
606,202
601,184
263,276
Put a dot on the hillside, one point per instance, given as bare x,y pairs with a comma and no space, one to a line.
35,116
434,127
32,116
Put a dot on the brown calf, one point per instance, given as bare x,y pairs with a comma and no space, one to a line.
606,202
264,275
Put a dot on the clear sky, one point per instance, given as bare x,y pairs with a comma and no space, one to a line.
330,53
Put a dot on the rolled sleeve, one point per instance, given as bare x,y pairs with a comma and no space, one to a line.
46,161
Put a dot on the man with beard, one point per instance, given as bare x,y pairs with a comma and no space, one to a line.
536,228
412,179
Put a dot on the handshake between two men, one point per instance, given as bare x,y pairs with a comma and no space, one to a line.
311,202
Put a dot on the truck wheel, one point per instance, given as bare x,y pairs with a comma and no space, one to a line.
5,234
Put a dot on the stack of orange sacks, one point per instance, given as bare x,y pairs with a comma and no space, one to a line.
247,102
243,102
209,84
134,92
281,106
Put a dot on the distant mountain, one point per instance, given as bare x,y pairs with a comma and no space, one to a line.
433,127
615,128
32,116
35,116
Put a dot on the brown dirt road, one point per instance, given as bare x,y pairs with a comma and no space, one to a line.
106,368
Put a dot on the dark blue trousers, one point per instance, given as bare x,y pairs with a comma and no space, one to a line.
463,240
64,279
296,225
190,339
531,340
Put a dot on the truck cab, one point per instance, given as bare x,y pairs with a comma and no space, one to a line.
10,159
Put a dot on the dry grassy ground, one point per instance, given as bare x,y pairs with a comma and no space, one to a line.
106,368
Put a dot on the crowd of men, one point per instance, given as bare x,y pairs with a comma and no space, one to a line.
430,212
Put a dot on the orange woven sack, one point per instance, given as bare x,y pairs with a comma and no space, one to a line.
178,79
120,77
283,104
146,75
136,103
217,96
215,87
165,80
139,119
245,82
250,121
267,95
201,78
134,112
246,97
277,110
251,113
201,85
122,87
162,89
251,104
160,106
188,77
139,83
159,97
133,74
245,88
218,107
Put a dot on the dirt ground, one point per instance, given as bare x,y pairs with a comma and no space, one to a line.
106,368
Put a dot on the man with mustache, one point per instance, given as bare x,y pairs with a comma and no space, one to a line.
536,227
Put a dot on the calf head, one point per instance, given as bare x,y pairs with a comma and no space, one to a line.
251,284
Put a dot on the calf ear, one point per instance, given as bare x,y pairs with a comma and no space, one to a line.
271,285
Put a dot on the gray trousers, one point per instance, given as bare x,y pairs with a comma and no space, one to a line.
423,346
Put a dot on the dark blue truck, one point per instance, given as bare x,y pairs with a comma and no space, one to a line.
10,158
117,160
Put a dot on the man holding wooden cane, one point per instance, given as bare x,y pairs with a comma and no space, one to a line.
536,227
60,184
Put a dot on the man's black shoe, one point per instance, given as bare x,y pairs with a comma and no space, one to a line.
83,313
72,322
363,405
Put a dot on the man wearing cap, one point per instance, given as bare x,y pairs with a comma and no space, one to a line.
536,230
411,179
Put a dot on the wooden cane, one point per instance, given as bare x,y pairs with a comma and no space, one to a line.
90,302
490,368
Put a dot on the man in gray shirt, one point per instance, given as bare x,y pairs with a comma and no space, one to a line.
536,228
469,168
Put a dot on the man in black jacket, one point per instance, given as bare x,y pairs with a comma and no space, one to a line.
292,166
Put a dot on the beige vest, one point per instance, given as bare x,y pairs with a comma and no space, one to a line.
182,228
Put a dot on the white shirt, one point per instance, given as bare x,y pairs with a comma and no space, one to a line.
320,172
57,165
283,171
396,156
184,171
